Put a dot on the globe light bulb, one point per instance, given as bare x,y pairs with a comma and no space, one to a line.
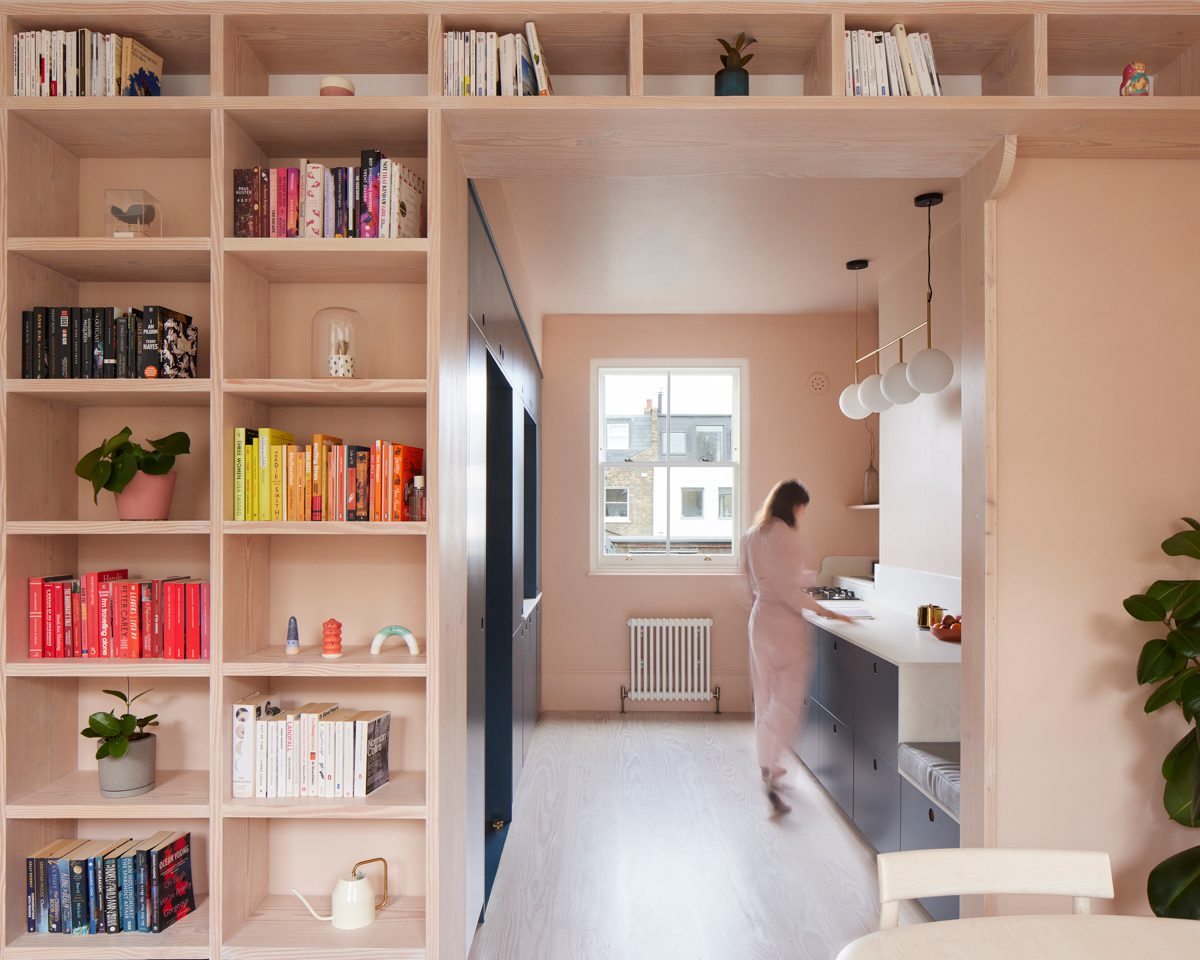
930,371
895,385
871,396
848,401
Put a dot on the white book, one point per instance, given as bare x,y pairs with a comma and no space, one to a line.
55,63
385,198
505,65
860,60
881,77
849,64
328,219
394,219
871,86
492,75
927,49
72,69
540,69
445,65
272,758
360,758
471,63
291,728
42,63
327,750
109,73
281,757
904,52
348,755
410,203
314,200
322,731
339,751
16,84
480,78
260,758
894,76
918,59
85,68
246,712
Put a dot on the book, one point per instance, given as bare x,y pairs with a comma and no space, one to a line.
281,202
314,200
142,70
538,56
56,866
243,202
241,435
919,66
327,215
141,873
77,919
372,728
293,201
368,201
272,727
192,620
927,49
172,893
267,439
386,195
205,620
526,80
35,885
406,464
37,618
273,203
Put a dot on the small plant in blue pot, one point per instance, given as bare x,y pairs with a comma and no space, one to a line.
733,80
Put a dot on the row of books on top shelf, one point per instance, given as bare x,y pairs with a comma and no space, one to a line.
316,750
381,199
479,63
81,887
274,478
80,63
893,64
106,343
109,615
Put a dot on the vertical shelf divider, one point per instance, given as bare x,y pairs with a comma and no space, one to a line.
437,69
1021,68
826,71
634,72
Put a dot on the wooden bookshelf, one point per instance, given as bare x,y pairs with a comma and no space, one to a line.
259,296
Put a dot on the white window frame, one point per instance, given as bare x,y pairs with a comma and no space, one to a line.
602,564
607,518
721,516
611,446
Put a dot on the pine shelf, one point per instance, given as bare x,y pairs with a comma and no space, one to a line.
326,528
116,393
108,667
186,939
332,260
863,506
122,527
354,662
332,392
179,794
90,127
280,928
109,259
401,798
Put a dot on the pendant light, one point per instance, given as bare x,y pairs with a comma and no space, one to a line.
930,371
870,392
895,385
848,401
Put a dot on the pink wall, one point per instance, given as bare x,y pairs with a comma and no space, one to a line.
920,443
792,433
1097,340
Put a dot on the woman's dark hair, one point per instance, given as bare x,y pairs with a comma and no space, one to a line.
782,502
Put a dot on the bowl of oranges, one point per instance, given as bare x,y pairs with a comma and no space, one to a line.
949,630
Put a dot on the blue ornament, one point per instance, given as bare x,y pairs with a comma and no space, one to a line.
293,637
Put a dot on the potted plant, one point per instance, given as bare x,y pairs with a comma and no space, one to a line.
126,751
141,480
733,80
1173,888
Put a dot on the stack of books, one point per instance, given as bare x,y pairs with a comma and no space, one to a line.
105,343
107,614
893,64
315,750
480,63
81,887
80,63
274,478
380,198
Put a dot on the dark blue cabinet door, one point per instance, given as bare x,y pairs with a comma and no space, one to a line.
876,797
877,703
805,744
835,759
926,826
836,666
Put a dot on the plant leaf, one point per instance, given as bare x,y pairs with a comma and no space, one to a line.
1185,544
105,724
1169,691
725,44
89,733
1173,887
1157,662
724,60
157,466
746,60
117,747
102,750
145,720
128,724
1181,756
1187,603
124,470
173,445
87,463
1185,642
1196,789
1191,523
100,474
1189,695
741,38
116,693
1166,591
1142,607
110,446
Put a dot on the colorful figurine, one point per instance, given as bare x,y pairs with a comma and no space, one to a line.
332,640
293,637
1134,82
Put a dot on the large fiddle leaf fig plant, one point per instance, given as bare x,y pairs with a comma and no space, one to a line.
1173,662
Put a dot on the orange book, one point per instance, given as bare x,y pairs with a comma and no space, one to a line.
406,464
321,446
308,451
375,485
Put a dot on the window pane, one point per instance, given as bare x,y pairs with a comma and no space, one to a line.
634,408
678,443
641,491
725,503
697,525
702,407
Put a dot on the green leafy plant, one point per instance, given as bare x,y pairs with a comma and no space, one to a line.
113,464
1173,663
113,732
733,59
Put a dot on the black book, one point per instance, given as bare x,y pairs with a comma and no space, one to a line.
26,344
62,343
87,344
171,893
336,174
150,344
76,344
121,325
352,229
110,343
131,360
41,360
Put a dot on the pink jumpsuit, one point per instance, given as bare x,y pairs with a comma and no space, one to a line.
773,578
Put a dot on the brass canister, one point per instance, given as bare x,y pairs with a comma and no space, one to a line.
928,615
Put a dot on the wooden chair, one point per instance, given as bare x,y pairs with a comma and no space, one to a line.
910,874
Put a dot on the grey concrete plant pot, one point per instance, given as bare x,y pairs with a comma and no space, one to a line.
132,774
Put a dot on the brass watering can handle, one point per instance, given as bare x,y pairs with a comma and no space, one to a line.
360,863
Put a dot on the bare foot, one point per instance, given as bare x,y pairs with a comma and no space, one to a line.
778,807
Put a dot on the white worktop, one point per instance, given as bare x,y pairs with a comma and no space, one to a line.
891,635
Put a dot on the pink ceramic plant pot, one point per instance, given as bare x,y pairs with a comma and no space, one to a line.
146,497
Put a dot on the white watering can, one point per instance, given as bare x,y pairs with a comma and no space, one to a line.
353,903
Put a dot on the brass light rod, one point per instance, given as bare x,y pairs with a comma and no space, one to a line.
889,343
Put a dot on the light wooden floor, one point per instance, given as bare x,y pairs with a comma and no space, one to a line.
648,836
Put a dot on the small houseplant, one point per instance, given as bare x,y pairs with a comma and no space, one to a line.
1173,888
126,751
734,80
141,481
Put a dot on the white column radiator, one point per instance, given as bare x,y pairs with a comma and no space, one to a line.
670,660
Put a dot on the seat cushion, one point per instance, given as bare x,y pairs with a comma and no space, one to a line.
936,769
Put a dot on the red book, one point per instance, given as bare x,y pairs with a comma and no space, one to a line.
146,606
156,608
58,618
192,620
78,646
120,608
104,624
205,626
181,620
37,618
169,620
281,206
174,640
293,201
91,614
133,598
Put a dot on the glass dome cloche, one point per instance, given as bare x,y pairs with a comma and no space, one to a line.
339,344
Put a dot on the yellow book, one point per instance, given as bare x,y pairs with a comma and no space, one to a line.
277,454
252,481
308,475
268,438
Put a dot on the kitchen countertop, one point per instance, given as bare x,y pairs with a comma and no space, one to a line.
891,635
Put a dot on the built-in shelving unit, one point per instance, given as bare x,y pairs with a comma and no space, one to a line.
253,300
